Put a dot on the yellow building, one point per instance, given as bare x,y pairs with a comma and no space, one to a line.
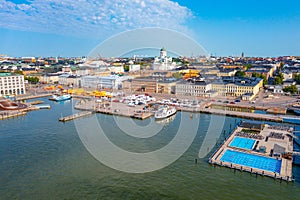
236,87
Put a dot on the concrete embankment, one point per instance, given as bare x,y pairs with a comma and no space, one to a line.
7,115
256,116
26,97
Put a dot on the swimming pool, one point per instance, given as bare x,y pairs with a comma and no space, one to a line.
242,143
253,161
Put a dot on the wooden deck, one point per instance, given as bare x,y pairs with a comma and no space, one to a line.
75,116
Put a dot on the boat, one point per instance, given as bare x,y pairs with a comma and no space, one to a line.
165,112
61,97
295,108
166,120
291,120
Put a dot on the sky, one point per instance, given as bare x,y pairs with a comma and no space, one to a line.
71,28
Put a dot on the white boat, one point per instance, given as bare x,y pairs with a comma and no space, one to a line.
166,120
61,98
165,112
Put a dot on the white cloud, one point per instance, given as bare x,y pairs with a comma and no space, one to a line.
92,18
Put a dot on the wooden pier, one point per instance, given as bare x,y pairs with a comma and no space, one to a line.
7,115
26,97
37,102
75,116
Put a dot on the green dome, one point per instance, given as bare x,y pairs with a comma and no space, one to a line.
163,49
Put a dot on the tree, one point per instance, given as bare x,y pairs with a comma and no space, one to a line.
32,80
247,66
240,74
177,75
126,68
18,72
262,76
278,81
291,89
297,78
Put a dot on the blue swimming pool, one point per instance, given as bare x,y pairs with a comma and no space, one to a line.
253,161
242,143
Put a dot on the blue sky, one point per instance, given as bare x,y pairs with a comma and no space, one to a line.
223,28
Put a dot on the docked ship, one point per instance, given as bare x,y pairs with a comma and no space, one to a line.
61,97
165,112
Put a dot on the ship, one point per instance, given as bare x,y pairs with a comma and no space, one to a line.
165,112
61,97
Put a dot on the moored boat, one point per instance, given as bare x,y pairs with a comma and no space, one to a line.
165,112
61,97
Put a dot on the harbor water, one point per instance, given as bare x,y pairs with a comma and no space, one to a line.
42,158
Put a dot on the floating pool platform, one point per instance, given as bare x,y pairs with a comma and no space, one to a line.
258,152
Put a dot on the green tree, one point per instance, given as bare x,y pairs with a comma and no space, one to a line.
278,81
177,75
126,68
291,89
32,80
240,74
18,72
297,78
262,76
248,66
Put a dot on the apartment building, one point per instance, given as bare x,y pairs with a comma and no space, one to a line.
11,84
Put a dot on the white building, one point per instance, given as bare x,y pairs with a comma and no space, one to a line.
11,84
69,80
134,68
195,88
163,62
97,82
278,89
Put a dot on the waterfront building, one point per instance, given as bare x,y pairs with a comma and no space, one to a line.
51,78
237,86
153,84
141,84
69,80
247,88
82,71
167,86
11,84
197,88
104,82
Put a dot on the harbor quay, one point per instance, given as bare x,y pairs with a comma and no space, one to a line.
145,111
259,149
114,108
275,110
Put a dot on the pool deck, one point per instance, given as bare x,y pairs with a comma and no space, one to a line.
286,142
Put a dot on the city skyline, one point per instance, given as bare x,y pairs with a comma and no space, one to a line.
223,28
